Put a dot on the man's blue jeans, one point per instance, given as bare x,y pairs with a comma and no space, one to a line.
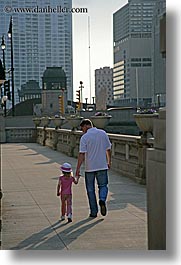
102,180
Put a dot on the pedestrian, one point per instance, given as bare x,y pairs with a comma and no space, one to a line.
95,149
64,190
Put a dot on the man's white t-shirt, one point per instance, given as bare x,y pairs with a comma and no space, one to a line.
94,144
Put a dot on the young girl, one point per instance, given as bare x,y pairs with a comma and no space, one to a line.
64,190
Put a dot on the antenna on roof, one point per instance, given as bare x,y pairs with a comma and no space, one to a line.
89,57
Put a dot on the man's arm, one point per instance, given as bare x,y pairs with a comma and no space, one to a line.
81,158
108,154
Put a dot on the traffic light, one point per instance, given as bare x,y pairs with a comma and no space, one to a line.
78,103
61,104
7,89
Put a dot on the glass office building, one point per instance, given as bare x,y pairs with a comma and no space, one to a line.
133,34
42,37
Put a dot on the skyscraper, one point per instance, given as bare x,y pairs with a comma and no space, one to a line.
42,37
159,54
103,87
133,52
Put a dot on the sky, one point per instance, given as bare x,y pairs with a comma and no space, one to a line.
100,13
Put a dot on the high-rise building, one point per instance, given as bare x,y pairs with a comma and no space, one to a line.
104,87
133,53
42,37
159,55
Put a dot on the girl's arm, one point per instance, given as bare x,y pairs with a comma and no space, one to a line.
76,180
58,188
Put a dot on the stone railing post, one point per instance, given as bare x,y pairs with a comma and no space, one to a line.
142,153
2,127
2,140
1,195
72,143
156,186
44,134
55,139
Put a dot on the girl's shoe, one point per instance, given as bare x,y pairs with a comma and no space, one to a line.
69,220
62,218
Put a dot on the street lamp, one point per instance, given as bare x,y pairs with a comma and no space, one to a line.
10,35
81,87
2,74
2,80
86,99
3,47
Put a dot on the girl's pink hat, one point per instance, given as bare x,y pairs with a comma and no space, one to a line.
66,167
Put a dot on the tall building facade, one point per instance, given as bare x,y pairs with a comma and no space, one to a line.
104,87
42,37
133,53
159,55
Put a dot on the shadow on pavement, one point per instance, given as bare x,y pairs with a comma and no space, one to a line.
60,241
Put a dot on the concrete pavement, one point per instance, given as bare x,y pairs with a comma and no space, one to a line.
31,208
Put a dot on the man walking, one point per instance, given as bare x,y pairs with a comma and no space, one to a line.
95,149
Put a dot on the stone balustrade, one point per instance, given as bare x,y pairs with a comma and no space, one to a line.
20,135
128,152
128,156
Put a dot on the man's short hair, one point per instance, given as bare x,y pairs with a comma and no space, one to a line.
86,122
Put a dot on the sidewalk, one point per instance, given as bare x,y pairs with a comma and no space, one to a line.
31,208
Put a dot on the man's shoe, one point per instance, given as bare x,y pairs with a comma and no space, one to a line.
69,220
103,207
93,215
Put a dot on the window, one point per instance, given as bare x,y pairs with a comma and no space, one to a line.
146,64
136,65
146,59
135,59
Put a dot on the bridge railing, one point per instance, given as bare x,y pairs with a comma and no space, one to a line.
128,152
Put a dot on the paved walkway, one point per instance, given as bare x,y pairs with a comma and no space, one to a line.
31,207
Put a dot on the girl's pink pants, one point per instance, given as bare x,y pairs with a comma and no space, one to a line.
66,200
